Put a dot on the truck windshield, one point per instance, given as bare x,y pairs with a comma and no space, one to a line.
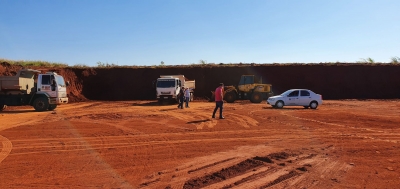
166,83
60,80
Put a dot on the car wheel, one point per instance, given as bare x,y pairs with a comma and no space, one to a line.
305,107
279,104
313,105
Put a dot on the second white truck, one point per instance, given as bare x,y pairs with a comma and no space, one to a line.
168,86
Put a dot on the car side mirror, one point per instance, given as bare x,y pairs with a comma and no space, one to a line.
67,83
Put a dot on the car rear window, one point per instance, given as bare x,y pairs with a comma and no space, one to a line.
304,93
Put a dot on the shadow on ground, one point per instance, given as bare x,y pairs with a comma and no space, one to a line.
198,121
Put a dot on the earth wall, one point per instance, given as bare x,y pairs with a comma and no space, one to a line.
332,81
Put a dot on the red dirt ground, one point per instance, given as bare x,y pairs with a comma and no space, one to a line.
139,144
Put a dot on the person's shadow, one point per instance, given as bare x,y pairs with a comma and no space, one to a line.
198,121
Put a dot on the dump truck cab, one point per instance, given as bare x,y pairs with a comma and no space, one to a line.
54,86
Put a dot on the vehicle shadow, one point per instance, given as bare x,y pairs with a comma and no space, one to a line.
169,109
154,103
16,111
199,121
289,108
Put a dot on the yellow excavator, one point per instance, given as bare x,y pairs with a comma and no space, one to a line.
247,89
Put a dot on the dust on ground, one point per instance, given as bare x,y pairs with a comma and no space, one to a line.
140,144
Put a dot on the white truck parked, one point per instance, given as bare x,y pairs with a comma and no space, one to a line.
168,87
20,90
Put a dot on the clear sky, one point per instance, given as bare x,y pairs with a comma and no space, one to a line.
179,32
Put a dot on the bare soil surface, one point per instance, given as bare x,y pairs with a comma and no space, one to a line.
140,144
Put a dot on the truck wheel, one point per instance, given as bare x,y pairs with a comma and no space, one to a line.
279,104
256,97
52,106
41,104
230,97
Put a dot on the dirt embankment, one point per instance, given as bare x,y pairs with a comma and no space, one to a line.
333,81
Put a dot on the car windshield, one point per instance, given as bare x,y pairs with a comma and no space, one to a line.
166,83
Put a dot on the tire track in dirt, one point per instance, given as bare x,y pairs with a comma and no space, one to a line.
200,120
98,158
6,149
274,171
196,167
110,145
364,135
228,170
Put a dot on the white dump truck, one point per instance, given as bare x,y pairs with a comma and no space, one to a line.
168,87
45,94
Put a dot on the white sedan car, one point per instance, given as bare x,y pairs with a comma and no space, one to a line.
296,97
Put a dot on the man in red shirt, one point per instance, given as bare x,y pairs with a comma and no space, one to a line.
219,97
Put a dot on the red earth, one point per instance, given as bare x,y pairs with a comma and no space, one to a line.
114,134
140,144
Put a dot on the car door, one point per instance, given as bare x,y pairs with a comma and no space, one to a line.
292,98
304,98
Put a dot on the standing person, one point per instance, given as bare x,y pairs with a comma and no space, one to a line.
187,97
181,96
219,97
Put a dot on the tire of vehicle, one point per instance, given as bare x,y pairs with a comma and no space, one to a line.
256,98
41,104
230,97
313,105
279,104
305,107
2,107
52,106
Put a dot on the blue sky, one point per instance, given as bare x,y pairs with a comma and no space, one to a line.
178,32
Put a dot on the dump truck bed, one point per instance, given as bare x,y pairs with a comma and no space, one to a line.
23,82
